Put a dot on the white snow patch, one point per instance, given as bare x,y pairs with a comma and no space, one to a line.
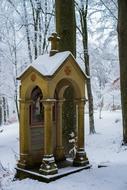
103,148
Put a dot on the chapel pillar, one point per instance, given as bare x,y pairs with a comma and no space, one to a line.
80,157
60,153
24,161
48,166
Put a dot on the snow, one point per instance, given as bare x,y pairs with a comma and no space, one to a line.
9,145
103,148
47,65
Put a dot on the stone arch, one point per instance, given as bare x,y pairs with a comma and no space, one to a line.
63,84
36,106
29,89
64,124
35,122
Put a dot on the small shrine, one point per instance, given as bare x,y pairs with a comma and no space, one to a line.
41,98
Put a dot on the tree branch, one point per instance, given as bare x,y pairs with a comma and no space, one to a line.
109,9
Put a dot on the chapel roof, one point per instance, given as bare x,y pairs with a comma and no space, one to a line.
47,65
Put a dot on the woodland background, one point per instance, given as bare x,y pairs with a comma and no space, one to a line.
25,26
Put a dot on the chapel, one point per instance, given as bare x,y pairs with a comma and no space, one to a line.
42,87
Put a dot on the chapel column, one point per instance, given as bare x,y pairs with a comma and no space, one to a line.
80,157
23,128
60,153
48,166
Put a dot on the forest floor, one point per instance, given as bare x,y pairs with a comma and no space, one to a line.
103,148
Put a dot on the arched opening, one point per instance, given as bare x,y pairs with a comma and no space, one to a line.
69,120
67,92
36,124
36,107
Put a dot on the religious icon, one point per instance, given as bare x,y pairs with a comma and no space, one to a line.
37,111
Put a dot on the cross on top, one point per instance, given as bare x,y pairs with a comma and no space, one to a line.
54,38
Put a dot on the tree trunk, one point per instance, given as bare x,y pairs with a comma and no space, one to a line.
66,29
4,110
122,39
35,15
66,25
84,33
90,97
0,114
16,73
27,31
40,37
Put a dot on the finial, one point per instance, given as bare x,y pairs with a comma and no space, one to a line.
54,38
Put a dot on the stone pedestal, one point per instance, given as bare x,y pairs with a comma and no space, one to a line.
24,161
80,158
48,166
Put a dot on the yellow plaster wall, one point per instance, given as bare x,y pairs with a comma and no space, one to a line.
75,77
27,85
48,85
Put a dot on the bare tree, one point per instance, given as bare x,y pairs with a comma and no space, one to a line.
27,31
36,19
82,8
14,60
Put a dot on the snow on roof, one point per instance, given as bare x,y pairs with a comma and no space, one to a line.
47,65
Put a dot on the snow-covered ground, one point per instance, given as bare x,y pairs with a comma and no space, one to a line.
103,148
